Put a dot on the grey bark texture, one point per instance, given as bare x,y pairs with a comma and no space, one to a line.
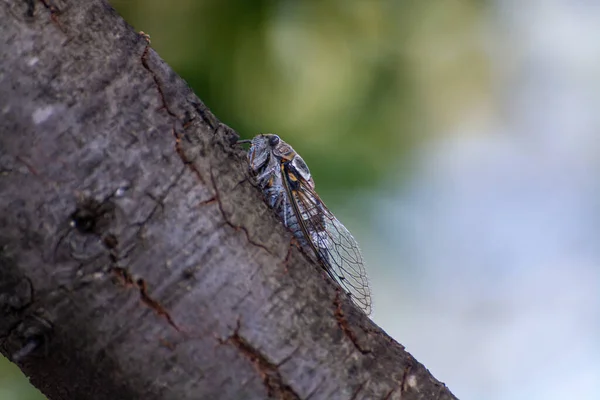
137,260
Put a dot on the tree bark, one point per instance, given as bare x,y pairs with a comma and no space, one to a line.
137,261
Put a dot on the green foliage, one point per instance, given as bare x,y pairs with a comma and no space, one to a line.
14,385
332,78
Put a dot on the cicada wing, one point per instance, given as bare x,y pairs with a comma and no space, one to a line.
333,244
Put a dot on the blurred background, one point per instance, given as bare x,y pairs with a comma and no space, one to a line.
457,140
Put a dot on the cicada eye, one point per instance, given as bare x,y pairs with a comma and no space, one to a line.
274,140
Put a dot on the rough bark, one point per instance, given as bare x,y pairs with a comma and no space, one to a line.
137,261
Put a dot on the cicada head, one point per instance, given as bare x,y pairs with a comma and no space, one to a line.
259,153
268,152
267,146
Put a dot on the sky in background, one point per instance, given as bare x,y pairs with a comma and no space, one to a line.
496,283
459,141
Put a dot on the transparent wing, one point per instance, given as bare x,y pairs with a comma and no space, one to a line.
333,244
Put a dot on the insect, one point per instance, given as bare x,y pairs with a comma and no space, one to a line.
285,179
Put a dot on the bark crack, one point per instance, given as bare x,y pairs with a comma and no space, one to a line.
159,201
217,199
358,390
389,394
54,13
128,281
344,326
178,148
268,371
155,77
404,376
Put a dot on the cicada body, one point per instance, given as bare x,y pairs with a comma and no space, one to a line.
285,179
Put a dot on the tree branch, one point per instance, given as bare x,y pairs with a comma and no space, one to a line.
136,258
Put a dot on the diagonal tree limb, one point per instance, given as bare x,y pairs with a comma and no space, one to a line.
136,259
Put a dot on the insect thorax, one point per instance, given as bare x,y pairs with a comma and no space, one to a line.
270,179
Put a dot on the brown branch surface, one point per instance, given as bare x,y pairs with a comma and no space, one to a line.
136,259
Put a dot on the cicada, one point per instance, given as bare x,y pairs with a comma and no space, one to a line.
287,184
